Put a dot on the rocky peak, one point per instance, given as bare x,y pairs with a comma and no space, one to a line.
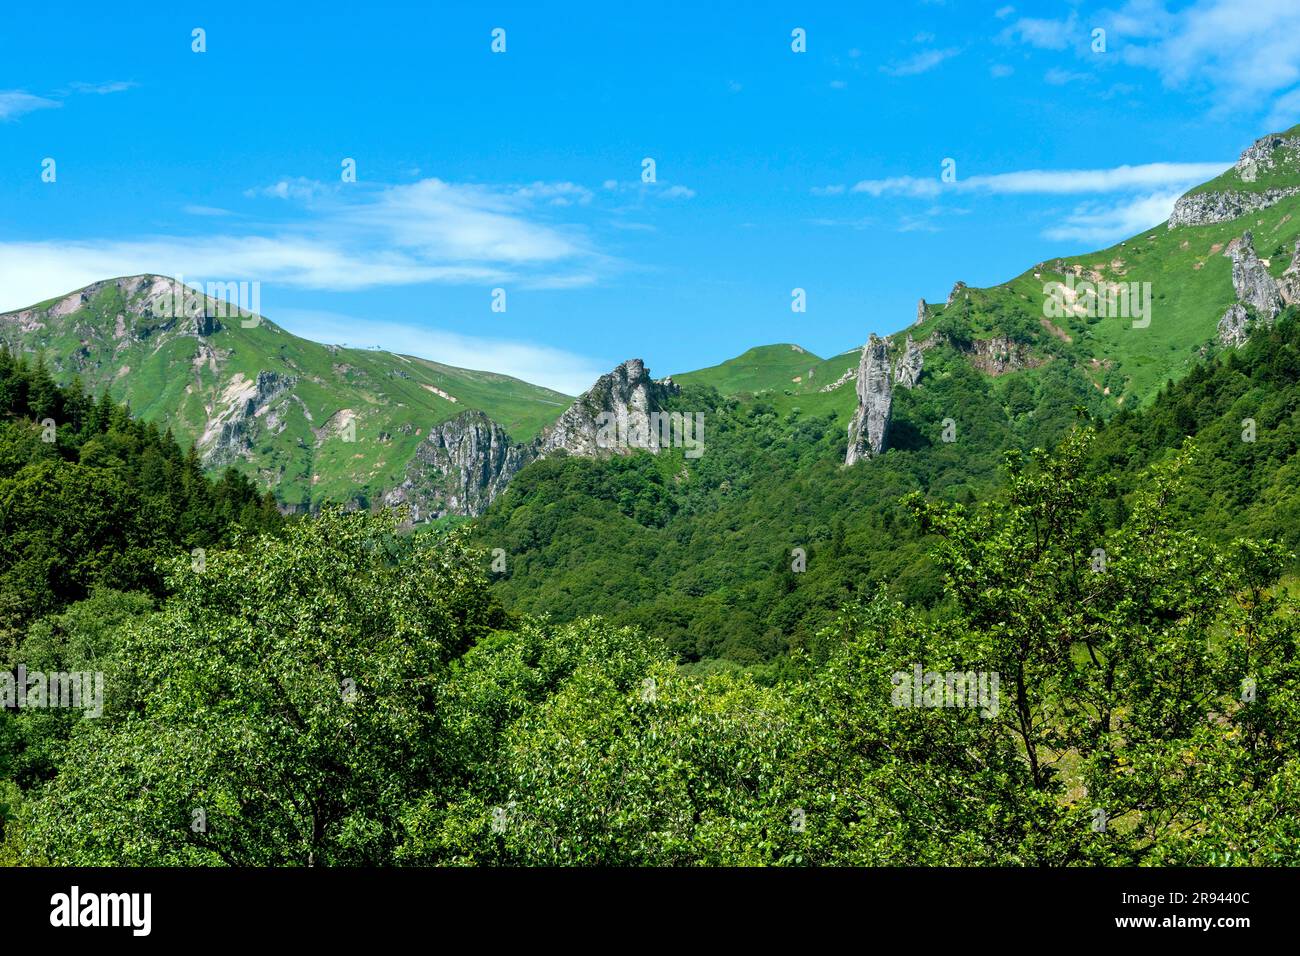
957,289
1262,155
921,311
1289,285
1254,286
908,370
1257,292
463,465
622,401
868,431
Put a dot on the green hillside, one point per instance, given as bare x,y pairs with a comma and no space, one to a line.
1190,281
110,337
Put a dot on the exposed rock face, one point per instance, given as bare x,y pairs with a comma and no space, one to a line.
869,429
1202,209
465,463
908,370
1262,155
1258,293
249,411
999,355
921,311
618,406
1289,285
1254,286
957,289
1232,327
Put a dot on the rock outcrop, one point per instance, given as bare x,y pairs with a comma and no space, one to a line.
869,429
1289,285
1258,293
908,370
465,463
1232,327
1203,209
1262,156
922,310
614,415
1254,286
957,289
461,467
250,410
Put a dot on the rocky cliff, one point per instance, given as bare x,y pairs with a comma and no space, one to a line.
869,429
908,370
460,468
1262,157
465,463
614,415
1259,295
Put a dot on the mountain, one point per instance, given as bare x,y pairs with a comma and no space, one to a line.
319,423
312,422
795,508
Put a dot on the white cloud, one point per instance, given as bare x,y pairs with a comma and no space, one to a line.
297,188
425,232
102,89
921,62
14,103
1244,51
1103,224
542,365
1040,181
206,211
1003,12
1044,34
1000,70
1286,111
1058,77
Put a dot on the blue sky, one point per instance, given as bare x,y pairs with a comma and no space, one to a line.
522,170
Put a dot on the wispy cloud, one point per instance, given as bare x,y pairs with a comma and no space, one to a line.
103,89
1059,77
542,365
430,231
1044,33
14,103
1104,223
921,62
1242,53
1042,181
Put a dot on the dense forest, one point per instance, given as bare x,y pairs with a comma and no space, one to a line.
334,690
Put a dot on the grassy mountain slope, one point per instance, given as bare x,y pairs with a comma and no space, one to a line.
292,435
1191,286
703,552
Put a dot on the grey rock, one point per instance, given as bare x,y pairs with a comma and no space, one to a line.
957,289
921,311
1289,285
908,370
1203,209
466,463
1255,288
1232,327
869,429
462,466
1262,155
623,399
